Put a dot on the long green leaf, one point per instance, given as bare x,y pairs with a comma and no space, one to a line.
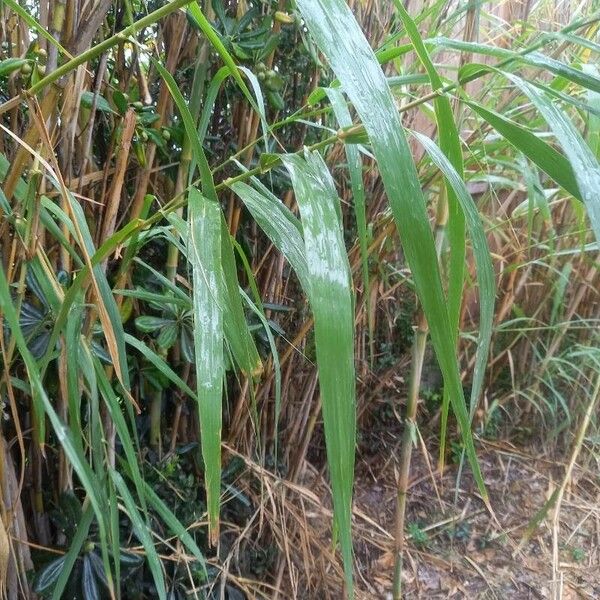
344,119
341,40
455,230
483,261
140,527
533,59
280,225
205,257
160,364
75,547
174,524
451,147
236,329
542,154
585,165
198,16
237,334
331,299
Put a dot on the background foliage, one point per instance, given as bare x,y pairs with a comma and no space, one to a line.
241,241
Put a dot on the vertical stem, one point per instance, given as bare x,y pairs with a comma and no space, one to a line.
419,345
557,591
155,414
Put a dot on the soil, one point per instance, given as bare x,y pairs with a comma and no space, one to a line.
457,549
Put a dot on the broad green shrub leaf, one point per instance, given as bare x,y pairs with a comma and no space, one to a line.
205,257
48,576
87,100
331,299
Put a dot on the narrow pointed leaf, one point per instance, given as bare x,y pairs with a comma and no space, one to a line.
278,222
331,300
483,261
142,532
341,40
342,114
542,154
205,257
237,334
450,145
236,329
583,162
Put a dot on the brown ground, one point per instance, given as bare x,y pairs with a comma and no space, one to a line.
462,552
455,548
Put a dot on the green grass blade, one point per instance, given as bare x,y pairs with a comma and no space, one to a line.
344,119
236,329
276,365
280,225
198,16
72,342
75,547
450,145
115,411
160,364
341,40
237,334
64,436
205,257
593,124
174,524
209,101
483,262
208,186
455,228
539,152
532,59
78,284
106,301
141,530
585,165
331,299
